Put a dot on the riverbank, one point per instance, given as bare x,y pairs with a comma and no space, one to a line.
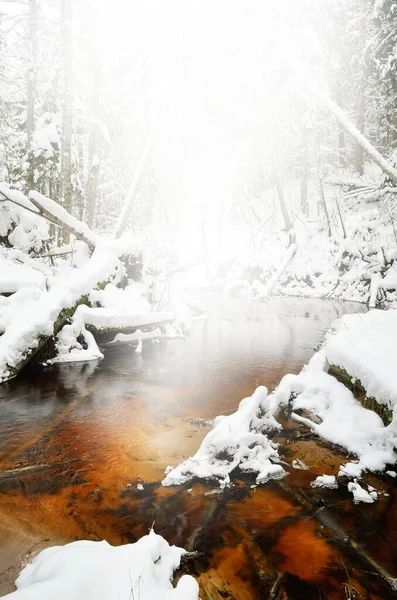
102,432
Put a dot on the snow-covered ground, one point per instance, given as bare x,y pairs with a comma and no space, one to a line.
88,570
358,265
244,439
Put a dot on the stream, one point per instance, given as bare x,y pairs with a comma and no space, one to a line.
83,449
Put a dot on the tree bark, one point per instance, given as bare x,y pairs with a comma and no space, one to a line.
31,90
360,122
67,119
95,150
341,135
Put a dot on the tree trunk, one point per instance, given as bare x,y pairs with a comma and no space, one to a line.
31,90
305,174
360,121
323,202
95,150
127,206
67,120
341,135
280,191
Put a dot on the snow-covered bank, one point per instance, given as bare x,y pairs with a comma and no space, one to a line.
365,346
84,570
359,266
70,294
316,400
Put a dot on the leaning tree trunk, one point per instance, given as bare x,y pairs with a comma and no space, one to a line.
348,126
67,120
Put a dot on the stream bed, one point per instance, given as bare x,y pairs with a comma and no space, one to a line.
83,448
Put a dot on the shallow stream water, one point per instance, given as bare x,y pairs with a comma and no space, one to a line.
76,440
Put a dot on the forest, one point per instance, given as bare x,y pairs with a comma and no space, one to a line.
198,205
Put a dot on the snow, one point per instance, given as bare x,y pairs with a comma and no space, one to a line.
128,300
242,439
360,494
366,347
37,318
25,230
325,481
69,349
236,441
106,318
17,197
344,421
15,277
86,570
137,336
319,265
60,213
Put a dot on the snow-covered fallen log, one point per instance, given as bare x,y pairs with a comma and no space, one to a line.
96,570
44,317
103,320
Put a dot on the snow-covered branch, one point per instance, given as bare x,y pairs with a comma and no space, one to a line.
51,211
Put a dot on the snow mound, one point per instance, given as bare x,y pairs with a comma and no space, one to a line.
365,346
128,299
240,440
84,570
325,481
15,277
360,494
236,441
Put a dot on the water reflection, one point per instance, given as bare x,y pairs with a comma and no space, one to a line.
76,439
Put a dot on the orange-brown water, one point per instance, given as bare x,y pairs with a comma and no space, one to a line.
76,440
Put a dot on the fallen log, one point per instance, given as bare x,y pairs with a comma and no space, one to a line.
104,320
